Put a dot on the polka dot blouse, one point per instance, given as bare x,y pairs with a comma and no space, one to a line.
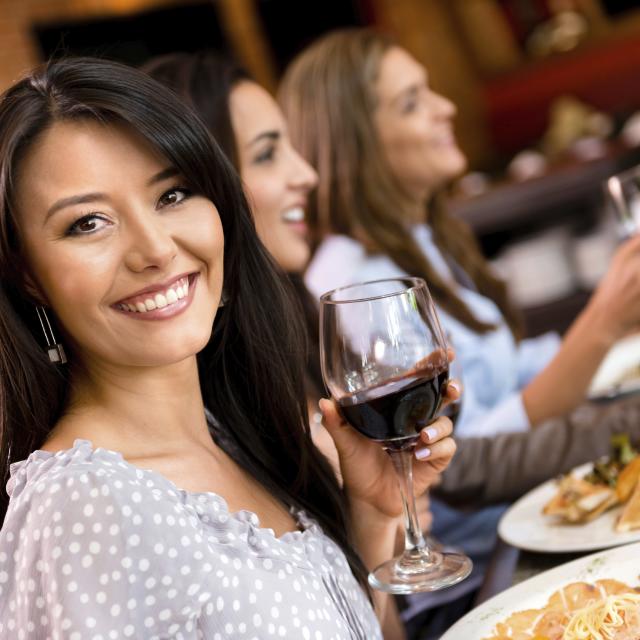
95,548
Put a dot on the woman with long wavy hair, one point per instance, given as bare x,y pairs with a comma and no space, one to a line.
361,111
162,481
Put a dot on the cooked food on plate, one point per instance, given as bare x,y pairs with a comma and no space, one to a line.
605,610
613,481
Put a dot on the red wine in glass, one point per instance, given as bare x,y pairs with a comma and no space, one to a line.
395,412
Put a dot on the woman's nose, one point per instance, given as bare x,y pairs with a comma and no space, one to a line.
151,246
303,175
444,107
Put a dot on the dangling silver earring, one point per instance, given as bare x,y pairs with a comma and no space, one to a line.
55,350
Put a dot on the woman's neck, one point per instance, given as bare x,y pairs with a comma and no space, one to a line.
139,411
416,211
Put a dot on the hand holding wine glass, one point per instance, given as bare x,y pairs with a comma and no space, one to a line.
385,361
367,470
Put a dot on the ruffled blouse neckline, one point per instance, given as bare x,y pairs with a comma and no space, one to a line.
83,450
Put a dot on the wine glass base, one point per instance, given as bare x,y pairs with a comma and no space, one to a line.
439,571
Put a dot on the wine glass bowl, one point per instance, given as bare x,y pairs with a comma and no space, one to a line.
623,195
384,361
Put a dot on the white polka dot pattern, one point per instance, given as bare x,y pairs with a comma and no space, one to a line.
93,547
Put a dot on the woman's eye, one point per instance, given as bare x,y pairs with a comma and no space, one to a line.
86,225
266,156
173,196
409,106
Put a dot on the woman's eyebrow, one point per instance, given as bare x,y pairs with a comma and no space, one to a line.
405,92
169,172
71,200
265,135
85,198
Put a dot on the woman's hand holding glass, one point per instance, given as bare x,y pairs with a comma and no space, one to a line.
616,301
367,471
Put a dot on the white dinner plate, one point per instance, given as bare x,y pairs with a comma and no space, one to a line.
622,563
525,526
612,378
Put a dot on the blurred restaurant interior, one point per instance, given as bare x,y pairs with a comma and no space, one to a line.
547,91
547,94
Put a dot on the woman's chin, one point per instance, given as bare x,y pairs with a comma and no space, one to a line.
295,259
167,352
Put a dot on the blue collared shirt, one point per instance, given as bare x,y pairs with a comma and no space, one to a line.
494,367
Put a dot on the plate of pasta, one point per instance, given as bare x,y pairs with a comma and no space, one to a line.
593,598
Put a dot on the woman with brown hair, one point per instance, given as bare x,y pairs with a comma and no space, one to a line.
360,110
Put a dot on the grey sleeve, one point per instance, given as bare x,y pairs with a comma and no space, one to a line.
503,468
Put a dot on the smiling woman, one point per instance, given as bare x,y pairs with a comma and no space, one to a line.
134,251
176,434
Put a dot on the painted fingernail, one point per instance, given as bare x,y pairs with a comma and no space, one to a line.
423,453
431,433
455,384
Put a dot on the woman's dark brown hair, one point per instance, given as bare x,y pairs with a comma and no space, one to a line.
328,96
251,371
204,80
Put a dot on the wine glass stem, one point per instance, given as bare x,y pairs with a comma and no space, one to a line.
413,539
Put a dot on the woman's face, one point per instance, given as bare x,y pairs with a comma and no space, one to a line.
415,126
277,180
128,258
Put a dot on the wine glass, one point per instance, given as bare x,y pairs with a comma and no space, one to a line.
623,194
384,361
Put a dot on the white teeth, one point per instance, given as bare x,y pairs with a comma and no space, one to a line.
294,215
159,301
172,296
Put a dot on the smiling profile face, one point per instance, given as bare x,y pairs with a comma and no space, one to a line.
276,178
127,257
415,126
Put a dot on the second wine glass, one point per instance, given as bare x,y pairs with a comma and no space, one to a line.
623,195
384,360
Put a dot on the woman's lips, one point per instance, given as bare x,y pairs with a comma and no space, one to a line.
162,303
